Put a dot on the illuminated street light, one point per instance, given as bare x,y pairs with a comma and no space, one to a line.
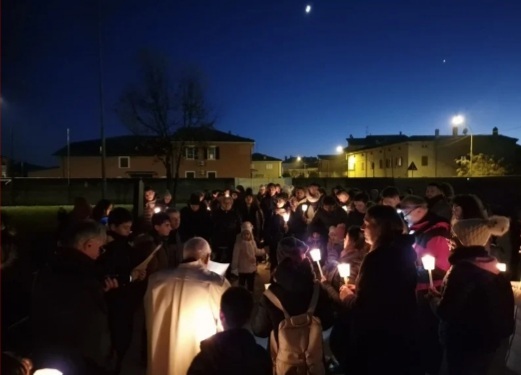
339,149
459,120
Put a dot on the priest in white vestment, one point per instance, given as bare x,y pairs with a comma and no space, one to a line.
182,309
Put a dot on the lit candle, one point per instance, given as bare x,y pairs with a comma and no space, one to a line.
502,267
316,256
345,208
285,216
344,269
48,371
429,264
157,210
266,286
304,208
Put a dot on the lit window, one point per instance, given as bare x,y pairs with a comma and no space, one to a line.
351,163
269,166
212,153
399,161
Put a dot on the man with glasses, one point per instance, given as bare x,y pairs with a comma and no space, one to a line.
431,233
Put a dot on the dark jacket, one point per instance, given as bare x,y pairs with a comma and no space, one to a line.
254,215
293,286
226,227
355,217
324,219
476,309
376,334
438,205
69,313
195,224
232,352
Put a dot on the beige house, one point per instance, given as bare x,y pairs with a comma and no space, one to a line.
264,166
422,156
297,166
207,153
332,165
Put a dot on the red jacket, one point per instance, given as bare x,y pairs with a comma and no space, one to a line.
432,236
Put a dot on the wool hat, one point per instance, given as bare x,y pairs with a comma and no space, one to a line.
291,247
246,225
476,232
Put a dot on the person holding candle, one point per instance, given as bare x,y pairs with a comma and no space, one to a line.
376,333
245,253
476,305
431,237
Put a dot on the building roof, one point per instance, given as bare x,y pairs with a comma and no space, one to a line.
331,157
359,144
257,156
134,145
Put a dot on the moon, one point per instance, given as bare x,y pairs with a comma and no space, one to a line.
308,8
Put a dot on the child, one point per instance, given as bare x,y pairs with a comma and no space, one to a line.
244,261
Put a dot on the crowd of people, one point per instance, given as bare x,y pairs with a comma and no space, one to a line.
391,313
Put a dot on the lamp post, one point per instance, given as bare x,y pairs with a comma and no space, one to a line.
459,120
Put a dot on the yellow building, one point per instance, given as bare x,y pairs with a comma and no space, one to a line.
422,156
264,166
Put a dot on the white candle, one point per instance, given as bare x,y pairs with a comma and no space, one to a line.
157,210
502,267
429,263
285,216
345,208
266,286
316,256
304,208
344,270
48,371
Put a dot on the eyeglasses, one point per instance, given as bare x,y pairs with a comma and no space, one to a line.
409,211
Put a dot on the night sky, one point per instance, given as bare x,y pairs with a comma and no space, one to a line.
297,83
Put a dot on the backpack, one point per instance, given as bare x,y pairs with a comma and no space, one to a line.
298,349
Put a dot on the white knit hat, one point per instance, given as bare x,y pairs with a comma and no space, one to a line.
476,232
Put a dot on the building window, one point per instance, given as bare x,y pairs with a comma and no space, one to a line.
124,162
190,153
211,174
399,161
190,174
372,165
381,164
388,163
363,166
351,163
212,153
269,166
425,161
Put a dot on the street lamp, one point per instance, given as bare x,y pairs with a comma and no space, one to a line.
459,120
339,149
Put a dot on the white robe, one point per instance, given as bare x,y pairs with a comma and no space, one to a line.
182,309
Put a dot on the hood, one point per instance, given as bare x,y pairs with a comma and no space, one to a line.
477,255
313,198
230,345
294,276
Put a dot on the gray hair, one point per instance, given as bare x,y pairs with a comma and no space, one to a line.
84,231
196,248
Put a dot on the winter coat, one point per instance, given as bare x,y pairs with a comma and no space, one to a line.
354,258
195,224
323,220
245,257
476,297
293,286
355,218
69,312
431,237
232,352
226,226
274,229
377,331
297,225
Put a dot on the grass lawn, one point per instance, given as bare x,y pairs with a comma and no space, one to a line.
35,220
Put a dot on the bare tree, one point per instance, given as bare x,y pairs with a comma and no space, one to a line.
482,166
162,108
